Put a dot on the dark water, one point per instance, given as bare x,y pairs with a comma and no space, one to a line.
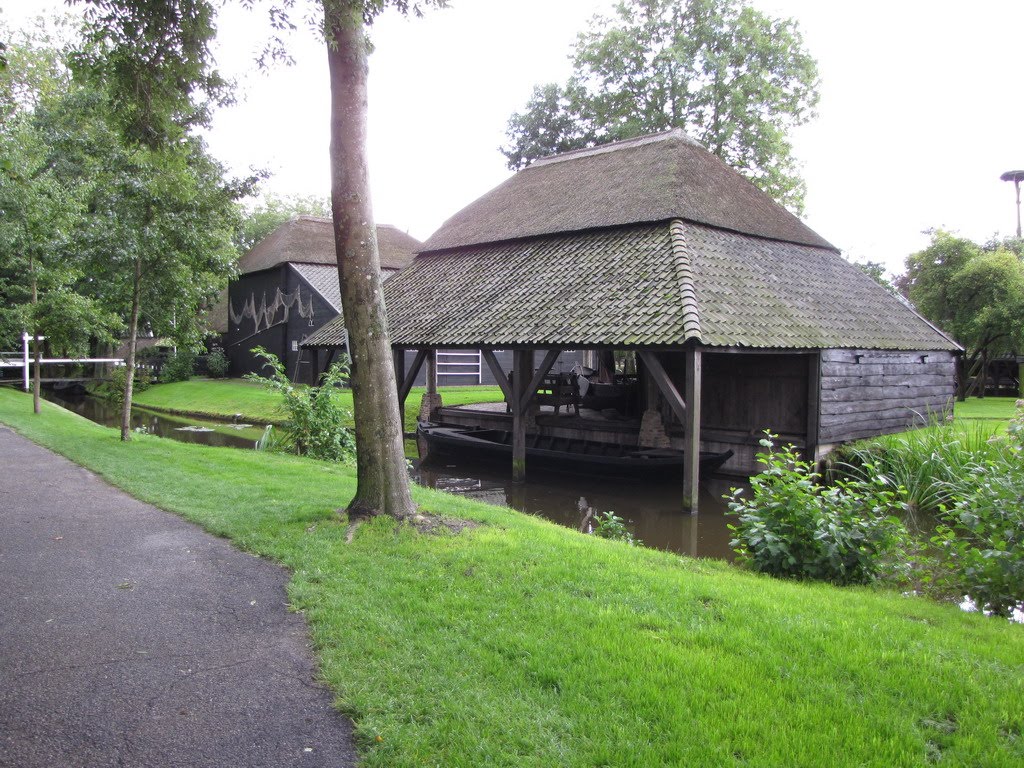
652,510
183,428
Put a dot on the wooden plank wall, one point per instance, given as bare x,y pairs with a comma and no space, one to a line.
872,392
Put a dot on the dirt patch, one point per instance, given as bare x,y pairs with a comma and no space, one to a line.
424,522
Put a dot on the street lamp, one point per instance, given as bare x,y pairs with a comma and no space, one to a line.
1015,177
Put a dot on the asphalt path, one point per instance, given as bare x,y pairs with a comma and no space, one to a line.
129,637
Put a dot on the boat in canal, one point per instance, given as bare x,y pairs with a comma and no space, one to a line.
573,454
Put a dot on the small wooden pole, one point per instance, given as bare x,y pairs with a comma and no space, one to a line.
432,372
691,430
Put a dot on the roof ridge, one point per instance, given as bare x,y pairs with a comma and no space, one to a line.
684,274
615,146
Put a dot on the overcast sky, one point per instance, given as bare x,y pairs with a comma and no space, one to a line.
919,111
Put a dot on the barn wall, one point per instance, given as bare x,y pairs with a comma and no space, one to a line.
865,393
243,336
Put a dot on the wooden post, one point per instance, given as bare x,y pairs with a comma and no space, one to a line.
398,355
813,406
432,372
691,430
522,372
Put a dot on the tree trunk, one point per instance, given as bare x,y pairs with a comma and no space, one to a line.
133,332
36,354
382,485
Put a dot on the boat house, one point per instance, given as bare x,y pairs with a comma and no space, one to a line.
733,314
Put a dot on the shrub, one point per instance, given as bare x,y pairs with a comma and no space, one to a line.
608,525
795,527
113,388
316,418
179,366
217,363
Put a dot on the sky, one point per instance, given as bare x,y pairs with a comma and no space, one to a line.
919,112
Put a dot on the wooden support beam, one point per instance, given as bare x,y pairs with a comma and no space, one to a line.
538,377
407,381
664,382
813,406
522,367
398,356
691,429
432,371
499,375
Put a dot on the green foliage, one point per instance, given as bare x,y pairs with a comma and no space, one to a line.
608,525
876,271
179,366
113,387
316,425
217,363
975,295
273,211
794,526
928,464
735,79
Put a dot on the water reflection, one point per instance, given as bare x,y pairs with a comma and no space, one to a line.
653,511
182,428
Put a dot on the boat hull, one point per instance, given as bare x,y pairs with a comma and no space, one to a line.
603,458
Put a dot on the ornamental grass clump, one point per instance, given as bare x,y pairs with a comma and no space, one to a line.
316,418
795,527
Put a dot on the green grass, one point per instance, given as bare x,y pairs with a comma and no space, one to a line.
1000,408
520,643
223,398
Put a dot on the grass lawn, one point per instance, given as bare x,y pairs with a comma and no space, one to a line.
225,397
1000,408
521,643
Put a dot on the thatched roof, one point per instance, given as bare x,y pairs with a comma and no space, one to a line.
653,178
310,240
646,243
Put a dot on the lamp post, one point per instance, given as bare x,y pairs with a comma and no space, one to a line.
1015,177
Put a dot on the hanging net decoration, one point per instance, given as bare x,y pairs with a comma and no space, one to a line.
264,316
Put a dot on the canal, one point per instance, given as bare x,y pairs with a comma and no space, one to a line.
652,510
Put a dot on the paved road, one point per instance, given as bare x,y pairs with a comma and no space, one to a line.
129,637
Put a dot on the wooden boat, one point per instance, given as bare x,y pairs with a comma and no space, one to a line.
563,453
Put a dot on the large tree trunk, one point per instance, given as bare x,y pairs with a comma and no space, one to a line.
382,477
133,332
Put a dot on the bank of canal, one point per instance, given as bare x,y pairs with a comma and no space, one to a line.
652,510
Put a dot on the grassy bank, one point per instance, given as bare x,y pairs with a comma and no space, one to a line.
988,408
223,398
519,643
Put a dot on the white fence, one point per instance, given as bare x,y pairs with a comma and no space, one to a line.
11,359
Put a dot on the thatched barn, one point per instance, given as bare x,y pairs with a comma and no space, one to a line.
739,317
287,289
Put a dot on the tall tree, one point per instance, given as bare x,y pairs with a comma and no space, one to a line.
41,207
735,79
382,476
163,215
178,30
975,295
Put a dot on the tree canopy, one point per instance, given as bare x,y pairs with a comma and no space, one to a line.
735,79
974,294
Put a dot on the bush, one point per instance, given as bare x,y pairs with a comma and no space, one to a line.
316,423
795,527
113,388
608,525
178,367
217,363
